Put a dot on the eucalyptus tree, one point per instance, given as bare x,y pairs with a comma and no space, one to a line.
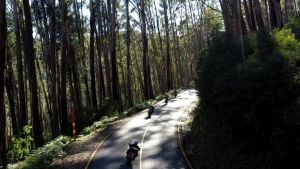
63,67
275,14
3,48
258,16
162,78
100,47
9,86
53,72
148,91
92,54
116,95
169,61
30,56
20,79
128,74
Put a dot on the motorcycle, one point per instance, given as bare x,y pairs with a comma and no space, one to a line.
132,153
150,111
166,99
175,93
130,157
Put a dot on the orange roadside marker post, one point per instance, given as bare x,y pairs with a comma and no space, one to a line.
73,122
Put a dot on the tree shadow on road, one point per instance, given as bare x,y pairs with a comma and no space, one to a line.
125,166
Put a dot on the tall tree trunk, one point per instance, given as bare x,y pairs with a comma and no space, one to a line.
138,67
81,43
252,17
148,93
156,66
92,55
247,14
275,14
45,32
243,24
114,68
258,16
101,87
42,85
128,75
226,15
76,79
23,113
231,11
3,48
10,94
145,50
99,40
53,72
163,71
178,52
29,53
236,18
106,33
169,62
63,76
175,73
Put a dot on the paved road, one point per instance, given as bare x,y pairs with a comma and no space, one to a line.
158,138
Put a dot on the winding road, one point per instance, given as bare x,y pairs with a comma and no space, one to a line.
158,138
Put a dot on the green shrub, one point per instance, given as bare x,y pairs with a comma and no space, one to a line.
98,124
42,157
20,147
246,100
294,25
289,47
87,116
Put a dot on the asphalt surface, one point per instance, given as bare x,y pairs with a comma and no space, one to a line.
157,137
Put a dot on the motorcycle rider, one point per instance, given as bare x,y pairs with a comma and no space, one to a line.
166,98
133,147
175,93
150,111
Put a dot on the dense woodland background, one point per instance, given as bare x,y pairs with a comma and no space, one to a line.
106,56
103,57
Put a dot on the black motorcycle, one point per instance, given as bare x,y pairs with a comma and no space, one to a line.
175,93
150,111
166,99
132,153
130,157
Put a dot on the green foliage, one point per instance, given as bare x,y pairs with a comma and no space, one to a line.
294,25
20,146
289,47
87,116
109,107
42,157
248,116
98,124
47,136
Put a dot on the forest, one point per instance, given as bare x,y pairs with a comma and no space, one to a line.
103,57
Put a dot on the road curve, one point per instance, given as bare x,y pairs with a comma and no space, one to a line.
157,136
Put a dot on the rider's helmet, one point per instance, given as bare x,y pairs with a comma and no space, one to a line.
134,142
